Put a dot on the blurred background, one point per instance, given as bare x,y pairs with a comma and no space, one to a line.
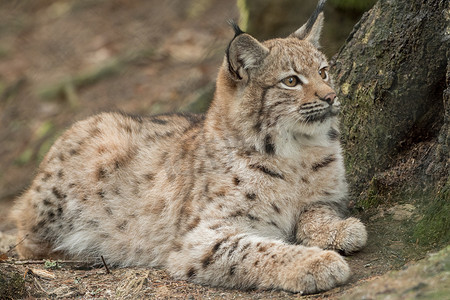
62,61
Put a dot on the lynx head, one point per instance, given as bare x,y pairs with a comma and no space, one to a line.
278,90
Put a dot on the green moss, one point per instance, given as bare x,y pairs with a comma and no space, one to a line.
12,285
434,228
25,157
373,195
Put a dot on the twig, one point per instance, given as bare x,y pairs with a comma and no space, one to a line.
38,262
106,266
18,243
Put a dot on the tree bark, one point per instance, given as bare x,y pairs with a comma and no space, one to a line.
391,78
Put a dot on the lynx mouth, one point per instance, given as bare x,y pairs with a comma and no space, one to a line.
321,114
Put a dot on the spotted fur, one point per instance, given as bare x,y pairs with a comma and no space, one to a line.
248,196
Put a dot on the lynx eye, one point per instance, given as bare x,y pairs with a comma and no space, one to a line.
323,73
291,81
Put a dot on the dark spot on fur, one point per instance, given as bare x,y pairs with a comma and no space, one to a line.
274,224
238,213
61,156
37,188
206,261
72,185
233,247
268,145
322,164
73,152
46,176
104,235
232,270
245,246
236,181
193,224
267,171
51,216
102,149
158,121
101,173
108,210
275,208
57,193
305,180
252,218
221,193
191,273
333,134
122,225
101,193
218,244
59,211
177,246
149,176
60,174
262,249
47,202
244,256
135,118
215,226
127,128
250,196
256,263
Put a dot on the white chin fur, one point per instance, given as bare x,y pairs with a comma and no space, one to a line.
313,129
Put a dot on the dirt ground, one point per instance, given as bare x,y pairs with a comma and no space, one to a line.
61,61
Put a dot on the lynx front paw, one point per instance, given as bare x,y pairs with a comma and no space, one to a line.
351,236
320,272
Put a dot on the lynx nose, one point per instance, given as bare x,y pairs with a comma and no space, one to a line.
329,98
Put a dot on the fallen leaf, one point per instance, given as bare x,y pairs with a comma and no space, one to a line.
3,256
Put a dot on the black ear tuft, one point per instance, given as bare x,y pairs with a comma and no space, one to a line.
309,24
312,29
243,53
237,30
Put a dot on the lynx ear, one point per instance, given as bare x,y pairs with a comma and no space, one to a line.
244,52
311,30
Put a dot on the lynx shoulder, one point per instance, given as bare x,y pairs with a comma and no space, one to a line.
250,195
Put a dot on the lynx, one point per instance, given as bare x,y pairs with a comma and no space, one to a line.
250,195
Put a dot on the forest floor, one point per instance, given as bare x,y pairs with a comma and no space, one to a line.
61,61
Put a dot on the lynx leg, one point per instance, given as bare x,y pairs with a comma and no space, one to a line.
241,261
321,226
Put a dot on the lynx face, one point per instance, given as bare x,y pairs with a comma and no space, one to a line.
300,95
281,90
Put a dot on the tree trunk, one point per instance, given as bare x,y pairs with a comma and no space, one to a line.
393,78
391,74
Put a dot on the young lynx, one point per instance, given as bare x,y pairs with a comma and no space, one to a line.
251,195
